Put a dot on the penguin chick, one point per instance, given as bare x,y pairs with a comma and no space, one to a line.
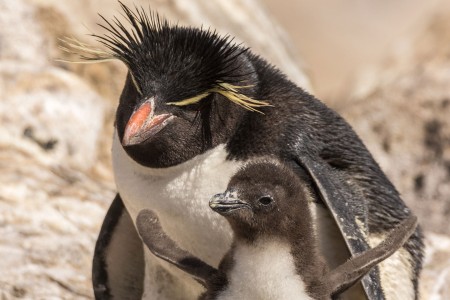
275,253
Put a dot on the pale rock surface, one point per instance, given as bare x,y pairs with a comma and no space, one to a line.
436,273
56,127
338,38
403,115
51,204
402,112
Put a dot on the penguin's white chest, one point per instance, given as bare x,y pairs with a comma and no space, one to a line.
180,196
264,271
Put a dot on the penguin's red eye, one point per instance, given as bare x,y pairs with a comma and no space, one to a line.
266,200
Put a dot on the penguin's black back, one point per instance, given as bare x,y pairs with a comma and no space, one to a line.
300,123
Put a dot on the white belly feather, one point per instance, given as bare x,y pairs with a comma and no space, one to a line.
264,271
180,196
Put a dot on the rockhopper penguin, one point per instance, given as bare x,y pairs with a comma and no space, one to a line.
275,253
195,107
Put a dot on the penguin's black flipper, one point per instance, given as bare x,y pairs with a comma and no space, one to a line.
349,213
161,245
347,274
117,271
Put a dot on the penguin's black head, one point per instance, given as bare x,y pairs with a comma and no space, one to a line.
185,90
265,198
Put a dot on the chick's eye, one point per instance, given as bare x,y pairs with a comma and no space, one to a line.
266,200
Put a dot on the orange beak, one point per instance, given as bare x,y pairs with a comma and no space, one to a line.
143,124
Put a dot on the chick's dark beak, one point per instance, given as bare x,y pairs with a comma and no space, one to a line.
143,124
226,203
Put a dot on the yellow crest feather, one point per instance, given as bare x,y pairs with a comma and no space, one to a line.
230,92
86,53
190,100
91,55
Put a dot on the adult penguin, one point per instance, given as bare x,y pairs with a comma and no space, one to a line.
196,107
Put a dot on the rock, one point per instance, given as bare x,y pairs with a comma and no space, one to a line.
435,283
337,39
51,205
57,123
39,108
55,175
402,114
403,117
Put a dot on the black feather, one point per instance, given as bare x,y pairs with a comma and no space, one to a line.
154,50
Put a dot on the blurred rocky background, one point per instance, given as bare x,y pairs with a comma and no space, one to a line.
384,65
